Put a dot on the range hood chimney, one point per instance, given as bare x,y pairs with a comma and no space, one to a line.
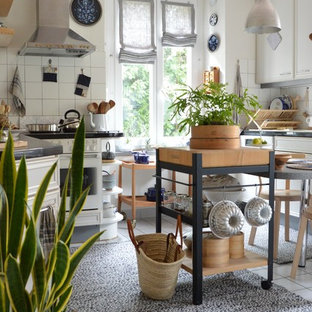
53,36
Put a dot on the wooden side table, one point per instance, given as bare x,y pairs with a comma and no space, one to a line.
133,200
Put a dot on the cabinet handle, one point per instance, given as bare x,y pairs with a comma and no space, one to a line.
284,74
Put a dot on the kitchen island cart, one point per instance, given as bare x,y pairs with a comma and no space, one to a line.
198,162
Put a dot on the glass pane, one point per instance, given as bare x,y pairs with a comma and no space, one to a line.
175,76
136,97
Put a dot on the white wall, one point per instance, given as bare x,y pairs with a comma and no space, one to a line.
48,101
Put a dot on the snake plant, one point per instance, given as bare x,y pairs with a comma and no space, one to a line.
22,261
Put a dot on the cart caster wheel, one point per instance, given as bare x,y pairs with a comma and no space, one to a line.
133,223
266,285
124,215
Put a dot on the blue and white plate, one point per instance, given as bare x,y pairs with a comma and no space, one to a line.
86,12
213,43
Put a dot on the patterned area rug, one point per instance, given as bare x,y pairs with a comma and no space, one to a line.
107,280
286,250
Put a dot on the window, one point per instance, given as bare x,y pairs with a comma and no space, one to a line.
145,90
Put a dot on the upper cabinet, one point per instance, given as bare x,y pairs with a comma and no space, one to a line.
292,59
303,40
5,6
277,65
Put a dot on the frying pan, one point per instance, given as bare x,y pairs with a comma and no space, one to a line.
47,128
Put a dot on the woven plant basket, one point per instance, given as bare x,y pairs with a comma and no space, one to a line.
159,259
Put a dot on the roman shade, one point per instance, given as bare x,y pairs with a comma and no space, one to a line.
137,31
178,22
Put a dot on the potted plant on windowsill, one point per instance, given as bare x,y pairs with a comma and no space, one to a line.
208,111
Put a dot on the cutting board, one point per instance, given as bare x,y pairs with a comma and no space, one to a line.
16,144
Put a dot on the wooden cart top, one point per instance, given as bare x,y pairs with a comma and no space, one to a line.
216,158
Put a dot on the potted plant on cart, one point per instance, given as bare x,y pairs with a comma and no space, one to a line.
207,111
31,281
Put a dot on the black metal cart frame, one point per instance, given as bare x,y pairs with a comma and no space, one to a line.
197,171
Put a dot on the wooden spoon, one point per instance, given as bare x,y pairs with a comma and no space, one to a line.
107,107
111,103
101,108
92,107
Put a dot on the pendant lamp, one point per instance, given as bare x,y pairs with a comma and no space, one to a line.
263,18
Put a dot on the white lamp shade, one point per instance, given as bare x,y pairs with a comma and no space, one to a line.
263,18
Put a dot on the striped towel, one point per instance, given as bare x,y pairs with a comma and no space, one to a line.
47,230
17,92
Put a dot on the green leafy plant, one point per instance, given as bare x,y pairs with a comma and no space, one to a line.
210,104
22,260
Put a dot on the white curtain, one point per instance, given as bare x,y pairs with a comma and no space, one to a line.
137,31
178,21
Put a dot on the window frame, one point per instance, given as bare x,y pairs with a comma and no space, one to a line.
114,71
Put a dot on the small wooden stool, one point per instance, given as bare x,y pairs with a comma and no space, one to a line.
287,195
305,217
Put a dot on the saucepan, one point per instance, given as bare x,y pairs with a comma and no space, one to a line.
47,128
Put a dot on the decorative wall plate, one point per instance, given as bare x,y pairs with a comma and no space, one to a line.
213,19
86,12
213,43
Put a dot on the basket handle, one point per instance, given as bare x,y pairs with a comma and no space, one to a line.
179,229
132,237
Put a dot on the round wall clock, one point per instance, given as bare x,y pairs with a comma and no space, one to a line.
213,19
86,12
213,43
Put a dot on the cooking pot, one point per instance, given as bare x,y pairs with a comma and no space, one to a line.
70,124
43,128
151,194
108,155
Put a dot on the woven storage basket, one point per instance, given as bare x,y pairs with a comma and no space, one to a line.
158,268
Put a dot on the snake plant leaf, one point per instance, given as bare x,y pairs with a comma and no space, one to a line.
68,227
19,298
18,213
39,275
8,171
77,165
4,227
62,208
76,258
51,262
63,300
42,190
62,264
2,296
28,251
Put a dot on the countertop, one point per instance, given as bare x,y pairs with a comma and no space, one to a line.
71,135
291,133
36,148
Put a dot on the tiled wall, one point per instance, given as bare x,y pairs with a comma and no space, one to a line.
48,101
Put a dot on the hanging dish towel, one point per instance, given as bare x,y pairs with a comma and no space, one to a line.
47,230
82,85
17,91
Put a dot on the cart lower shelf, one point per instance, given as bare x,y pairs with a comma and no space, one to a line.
140,201
251,260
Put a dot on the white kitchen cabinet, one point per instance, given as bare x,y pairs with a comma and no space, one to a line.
278,65
303,39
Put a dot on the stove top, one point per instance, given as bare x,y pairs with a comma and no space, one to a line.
71,135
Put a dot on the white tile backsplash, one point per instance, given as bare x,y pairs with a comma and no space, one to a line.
50,107
98,75
3,89
98,91
66,74
33,60
65,105
50,90
34,107
3,73
3,56
33,73
66,91
33,90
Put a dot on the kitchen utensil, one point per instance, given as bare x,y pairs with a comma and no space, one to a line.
93,107
108,155
107,107
98,122
225,219
108,180
70,124
33,128
103,107
257,211
151,194
111,103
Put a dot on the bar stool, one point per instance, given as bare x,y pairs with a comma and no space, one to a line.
304,218
280,195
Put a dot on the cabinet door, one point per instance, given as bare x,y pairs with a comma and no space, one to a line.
277,65
303,45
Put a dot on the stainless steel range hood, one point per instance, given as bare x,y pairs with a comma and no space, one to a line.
53,36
